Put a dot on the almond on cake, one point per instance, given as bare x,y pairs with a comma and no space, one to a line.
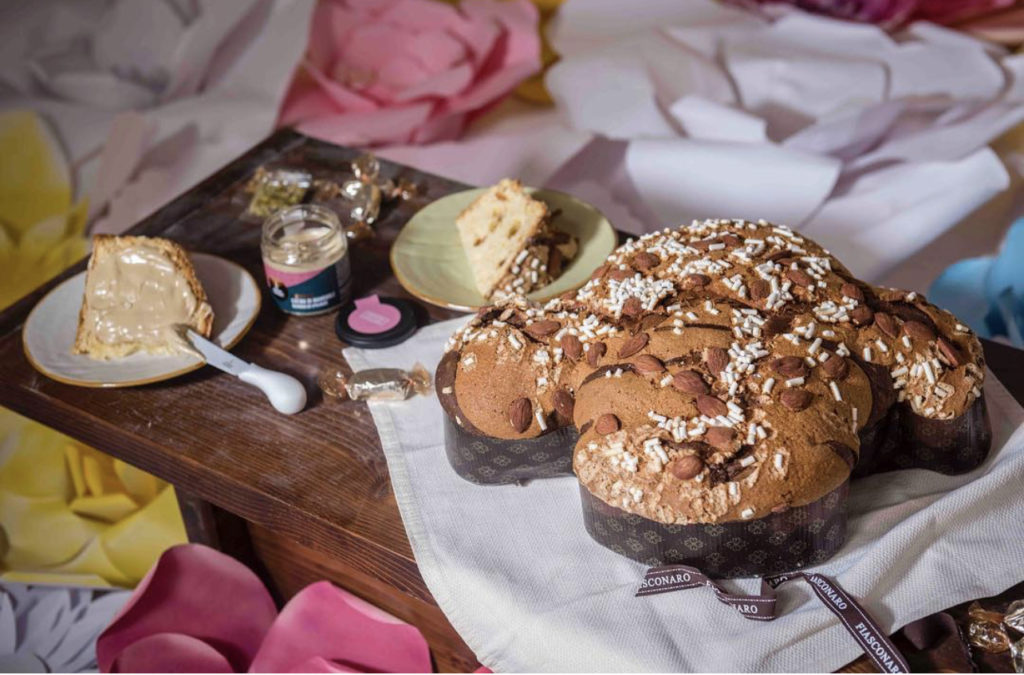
138,290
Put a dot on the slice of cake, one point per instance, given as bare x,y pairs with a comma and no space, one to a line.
138,291
511,246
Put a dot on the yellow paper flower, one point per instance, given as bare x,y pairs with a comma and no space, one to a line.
68,514
71,514
41,229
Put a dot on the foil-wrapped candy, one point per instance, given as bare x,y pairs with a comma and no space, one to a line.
366,168
363,193
978,613
376,384
364,198
1017,655
1014,620
276,189
1014,617
359,199
988,636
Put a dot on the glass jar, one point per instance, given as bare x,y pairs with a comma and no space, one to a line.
305,260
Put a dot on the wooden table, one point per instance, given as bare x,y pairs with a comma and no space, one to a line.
300,498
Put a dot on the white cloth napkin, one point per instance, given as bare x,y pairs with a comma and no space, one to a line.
521,581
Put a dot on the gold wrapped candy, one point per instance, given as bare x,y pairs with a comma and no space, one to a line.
376,384
988,636
978,613
985,630
357,200
1014,617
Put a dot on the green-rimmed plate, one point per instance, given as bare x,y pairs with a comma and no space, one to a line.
428,260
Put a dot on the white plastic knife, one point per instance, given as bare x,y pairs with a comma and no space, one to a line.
286,393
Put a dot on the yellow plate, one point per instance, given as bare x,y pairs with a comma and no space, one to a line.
428,260
50,330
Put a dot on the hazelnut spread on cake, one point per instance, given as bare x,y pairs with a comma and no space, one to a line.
138,291
510,242
725,371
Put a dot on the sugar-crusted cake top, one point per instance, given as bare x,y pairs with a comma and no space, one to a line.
715,372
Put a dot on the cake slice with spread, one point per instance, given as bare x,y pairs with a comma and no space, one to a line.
138,291
510,243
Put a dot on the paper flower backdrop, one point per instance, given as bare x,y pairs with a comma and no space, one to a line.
41,227
408,71
147,98
72,515
53,630
892,13
871,143
110,109
199,610
532,88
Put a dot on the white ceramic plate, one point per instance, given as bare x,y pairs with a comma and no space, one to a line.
50,330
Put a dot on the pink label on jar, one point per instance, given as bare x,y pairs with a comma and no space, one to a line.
276,274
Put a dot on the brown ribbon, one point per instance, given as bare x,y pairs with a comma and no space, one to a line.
761,607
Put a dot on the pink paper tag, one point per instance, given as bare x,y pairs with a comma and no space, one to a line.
371,316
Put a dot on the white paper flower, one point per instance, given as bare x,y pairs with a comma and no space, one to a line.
51,629
135,54
148,97
873,144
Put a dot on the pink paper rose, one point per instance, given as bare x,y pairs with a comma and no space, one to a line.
200,611
408,71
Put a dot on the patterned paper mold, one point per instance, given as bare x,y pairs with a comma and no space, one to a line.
724,372
494,461
915,442
779,542
487,460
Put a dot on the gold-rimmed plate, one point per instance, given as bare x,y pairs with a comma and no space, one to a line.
428,260
49,332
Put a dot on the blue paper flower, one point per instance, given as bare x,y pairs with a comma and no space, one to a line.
987,293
